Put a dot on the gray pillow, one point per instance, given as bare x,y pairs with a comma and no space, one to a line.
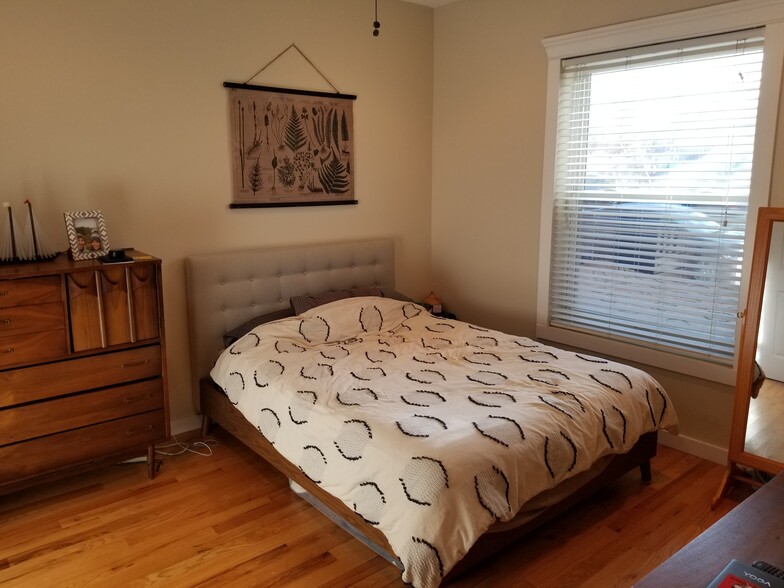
231,336
302,303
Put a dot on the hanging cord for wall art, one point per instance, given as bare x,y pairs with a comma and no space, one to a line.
376,24
305,57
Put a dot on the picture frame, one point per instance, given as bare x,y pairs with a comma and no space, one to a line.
290,147
87,235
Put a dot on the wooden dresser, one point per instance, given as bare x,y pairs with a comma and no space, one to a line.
82,367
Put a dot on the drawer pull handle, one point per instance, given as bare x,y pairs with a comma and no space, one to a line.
10,350
135,363
3,293
130,432
6,322
129,400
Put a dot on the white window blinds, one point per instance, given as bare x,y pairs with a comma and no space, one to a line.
653,167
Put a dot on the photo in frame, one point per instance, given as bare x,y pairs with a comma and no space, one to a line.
290,147
87,234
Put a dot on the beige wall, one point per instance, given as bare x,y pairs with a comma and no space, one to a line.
489,103
118,105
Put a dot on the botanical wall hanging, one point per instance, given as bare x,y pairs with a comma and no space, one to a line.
290,147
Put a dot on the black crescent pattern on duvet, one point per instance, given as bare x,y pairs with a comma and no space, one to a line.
429,429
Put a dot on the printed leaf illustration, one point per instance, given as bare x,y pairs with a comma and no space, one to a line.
303,163
241,138
253,149
277,117
312,187
304,118
333,177
274,166
295,135
327,131
335,136
344,135
286,173
254,177
318,129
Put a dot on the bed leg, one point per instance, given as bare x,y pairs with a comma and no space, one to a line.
645,471
206,423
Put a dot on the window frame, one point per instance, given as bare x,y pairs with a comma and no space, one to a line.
672,27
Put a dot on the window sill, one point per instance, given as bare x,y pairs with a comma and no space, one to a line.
697,368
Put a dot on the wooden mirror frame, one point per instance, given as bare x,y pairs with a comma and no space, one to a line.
750,324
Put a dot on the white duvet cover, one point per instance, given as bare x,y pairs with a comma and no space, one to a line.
431,429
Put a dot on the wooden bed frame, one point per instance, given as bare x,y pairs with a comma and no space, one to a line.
345,265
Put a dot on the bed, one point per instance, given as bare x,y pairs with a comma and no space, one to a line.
356,401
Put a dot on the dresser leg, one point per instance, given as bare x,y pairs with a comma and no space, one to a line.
151,465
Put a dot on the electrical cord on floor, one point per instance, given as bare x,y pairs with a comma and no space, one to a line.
205,447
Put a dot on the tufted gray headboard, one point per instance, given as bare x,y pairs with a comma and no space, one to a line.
227,289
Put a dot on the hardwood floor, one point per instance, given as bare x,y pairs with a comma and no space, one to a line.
763,431
230,520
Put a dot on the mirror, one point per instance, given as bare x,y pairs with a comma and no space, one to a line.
756,443
766,407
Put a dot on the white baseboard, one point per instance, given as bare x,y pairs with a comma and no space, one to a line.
185,425
694,447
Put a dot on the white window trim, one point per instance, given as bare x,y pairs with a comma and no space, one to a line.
702,21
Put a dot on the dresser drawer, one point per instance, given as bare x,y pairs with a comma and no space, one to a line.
30,291
19,320
21,349
54,452
62,414
75,375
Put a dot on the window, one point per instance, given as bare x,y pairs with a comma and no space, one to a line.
653,169
650,192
